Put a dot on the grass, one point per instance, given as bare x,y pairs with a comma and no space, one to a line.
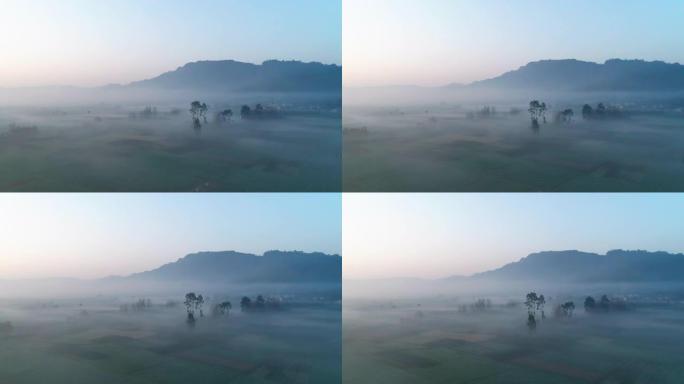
446,346
73,152
445,151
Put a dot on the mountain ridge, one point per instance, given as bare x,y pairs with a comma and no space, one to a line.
272,267
578,75
576,266
236,76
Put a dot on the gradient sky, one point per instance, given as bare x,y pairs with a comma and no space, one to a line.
436,42
88,42
439,235
96,235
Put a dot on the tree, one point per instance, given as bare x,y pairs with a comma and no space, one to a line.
534,110
604,303
199,302
534,303
587,112
195,108
190,306
260,302
223,308
245,111
537,111
568,308
589,304
568,114
225,115
245,303
601,109
541,301
531,302
203,112
198,110
259,109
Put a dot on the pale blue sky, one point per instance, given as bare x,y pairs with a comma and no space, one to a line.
438,235
94,235
87,42
435,42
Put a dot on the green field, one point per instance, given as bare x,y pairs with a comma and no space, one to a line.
103,148
441,148
388,342
92,341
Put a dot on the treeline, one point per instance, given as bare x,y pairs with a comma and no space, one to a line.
536,303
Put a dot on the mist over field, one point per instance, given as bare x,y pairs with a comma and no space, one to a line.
541,319
276,130
208,316
596,128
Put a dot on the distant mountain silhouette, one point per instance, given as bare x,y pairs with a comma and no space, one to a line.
576,266
236,267
229,75
575,75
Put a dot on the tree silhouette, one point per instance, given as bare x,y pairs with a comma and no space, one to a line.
223,308
198,110
568,308
537,111
541,302
601,109
195,108
260,302
203,112
245,303
245,111
587,112
225,115
568,115
589,304
190,306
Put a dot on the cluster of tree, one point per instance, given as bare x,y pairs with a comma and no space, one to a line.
564,310
480,305
482,113
138,306
564,116
601,112
147,113
193,304
604,304
198,110
259,112
259,304
535,304
537,112
224,116
222,309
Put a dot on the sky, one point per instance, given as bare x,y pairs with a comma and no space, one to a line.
438,42
90,43
440,235
98,235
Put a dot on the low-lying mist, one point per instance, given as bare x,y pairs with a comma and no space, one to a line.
483,330
143,140
463,139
